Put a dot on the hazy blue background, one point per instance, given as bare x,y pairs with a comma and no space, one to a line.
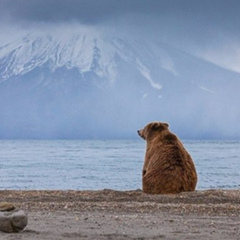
200,40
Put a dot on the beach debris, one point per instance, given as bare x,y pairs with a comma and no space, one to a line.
5,206
13,221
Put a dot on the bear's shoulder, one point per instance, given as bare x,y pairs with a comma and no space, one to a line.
167,137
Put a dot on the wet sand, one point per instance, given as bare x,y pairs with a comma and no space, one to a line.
110,214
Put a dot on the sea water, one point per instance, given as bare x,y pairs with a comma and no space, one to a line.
101,164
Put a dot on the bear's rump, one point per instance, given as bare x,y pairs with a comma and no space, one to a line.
169,180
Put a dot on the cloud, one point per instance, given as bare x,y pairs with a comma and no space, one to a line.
214,12
227,56
193,26
83,11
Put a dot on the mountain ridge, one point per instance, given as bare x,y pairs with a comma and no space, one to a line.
32,51
84,85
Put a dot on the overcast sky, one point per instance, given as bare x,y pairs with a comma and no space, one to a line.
208,28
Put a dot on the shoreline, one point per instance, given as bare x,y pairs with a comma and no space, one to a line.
110,214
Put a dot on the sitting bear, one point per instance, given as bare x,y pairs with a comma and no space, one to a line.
168,168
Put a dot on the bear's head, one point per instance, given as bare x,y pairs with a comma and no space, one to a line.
152,129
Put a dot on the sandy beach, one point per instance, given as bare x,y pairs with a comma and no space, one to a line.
110,214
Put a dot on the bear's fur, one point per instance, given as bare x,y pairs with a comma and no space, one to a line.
168,168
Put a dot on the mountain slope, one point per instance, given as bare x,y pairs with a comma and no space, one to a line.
86,85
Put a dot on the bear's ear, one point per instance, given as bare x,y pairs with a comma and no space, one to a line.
155,126
166,125
159,125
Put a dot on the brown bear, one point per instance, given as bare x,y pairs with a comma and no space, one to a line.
168,168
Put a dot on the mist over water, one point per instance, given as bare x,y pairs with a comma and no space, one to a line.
109,87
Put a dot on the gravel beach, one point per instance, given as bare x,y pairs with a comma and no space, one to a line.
110,214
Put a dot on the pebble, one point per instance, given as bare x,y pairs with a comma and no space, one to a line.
13,221
5,206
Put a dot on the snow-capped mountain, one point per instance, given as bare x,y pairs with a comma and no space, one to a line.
84,85
86,52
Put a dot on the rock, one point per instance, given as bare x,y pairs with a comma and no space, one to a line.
5,206
14,221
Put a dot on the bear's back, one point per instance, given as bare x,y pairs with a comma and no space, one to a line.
169,167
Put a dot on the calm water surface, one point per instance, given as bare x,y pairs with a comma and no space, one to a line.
115,164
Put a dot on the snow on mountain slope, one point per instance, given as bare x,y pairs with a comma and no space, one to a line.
23,56
86,52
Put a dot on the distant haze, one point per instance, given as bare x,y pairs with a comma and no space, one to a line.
103,69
